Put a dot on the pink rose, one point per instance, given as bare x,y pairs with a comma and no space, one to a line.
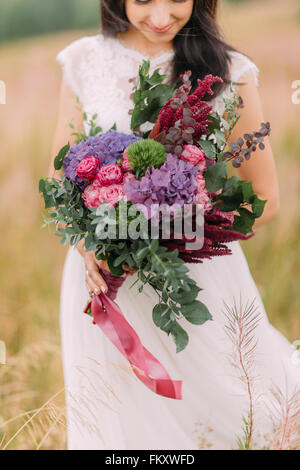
88,168
128,177
111,194
125,163
200,182
110,174
194,155
202,195
91,195
203,199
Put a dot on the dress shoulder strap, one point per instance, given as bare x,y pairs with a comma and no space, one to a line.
240,65
75,59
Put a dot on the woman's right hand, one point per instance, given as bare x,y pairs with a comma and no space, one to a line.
94,281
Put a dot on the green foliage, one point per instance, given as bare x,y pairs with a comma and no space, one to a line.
67,209
151,94
94,129
215,177
245,442
59,159
208,148
45,188
145,153
234,195
167,273
115,270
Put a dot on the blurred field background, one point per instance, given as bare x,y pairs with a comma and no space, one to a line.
31,384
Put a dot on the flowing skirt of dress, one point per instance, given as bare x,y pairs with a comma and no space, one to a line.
237,366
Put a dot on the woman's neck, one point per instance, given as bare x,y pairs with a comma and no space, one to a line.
134,39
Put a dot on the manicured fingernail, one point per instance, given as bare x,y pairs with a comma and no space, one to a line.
97,290
103,288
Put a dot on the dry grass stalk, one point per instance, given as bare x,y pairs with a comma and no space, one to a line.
240,328
284,412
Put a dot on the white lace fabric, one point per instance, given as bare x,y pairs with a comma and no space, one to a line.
98,70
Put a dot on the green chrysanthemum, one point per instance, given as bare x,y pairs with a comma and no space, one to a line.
145,153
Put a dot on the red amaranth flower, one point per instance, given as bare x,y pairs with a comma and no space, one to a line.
170,113
216,235
204,86
185,118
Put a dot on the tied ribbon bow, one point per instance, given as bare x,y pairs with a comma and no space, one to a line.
110,319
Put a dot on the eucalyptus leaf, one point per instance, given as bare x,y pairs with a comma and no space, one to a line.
185,297
45,188
115,270
161,315
220,138
141,254
120,259
196,313
208,148
180,337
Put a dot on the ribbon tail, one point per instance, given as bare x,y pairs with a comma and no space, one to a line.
110,319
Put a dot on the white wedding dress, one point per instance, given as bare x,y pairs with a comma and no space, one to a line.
107,406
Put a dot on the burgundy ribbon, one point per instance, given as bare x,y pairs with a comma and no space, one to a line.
108,316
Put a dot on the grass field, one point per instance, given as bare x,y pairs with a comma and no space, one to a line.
32,259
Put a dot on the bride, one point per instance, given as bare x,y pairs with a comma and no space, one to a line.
240,379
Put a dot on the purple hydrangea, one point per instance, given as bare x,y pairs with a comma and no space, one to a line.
173,183
107,147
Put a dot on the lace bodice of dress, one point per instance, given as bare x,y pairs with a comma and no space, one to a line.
98,69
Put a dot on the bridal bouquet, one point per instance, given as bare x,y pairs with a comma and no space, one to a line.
156,200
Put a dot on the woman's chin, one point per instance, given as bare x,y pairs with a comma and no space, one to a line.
158,38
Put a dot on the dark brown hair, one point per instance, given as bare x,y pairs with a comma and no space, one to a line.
198,47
